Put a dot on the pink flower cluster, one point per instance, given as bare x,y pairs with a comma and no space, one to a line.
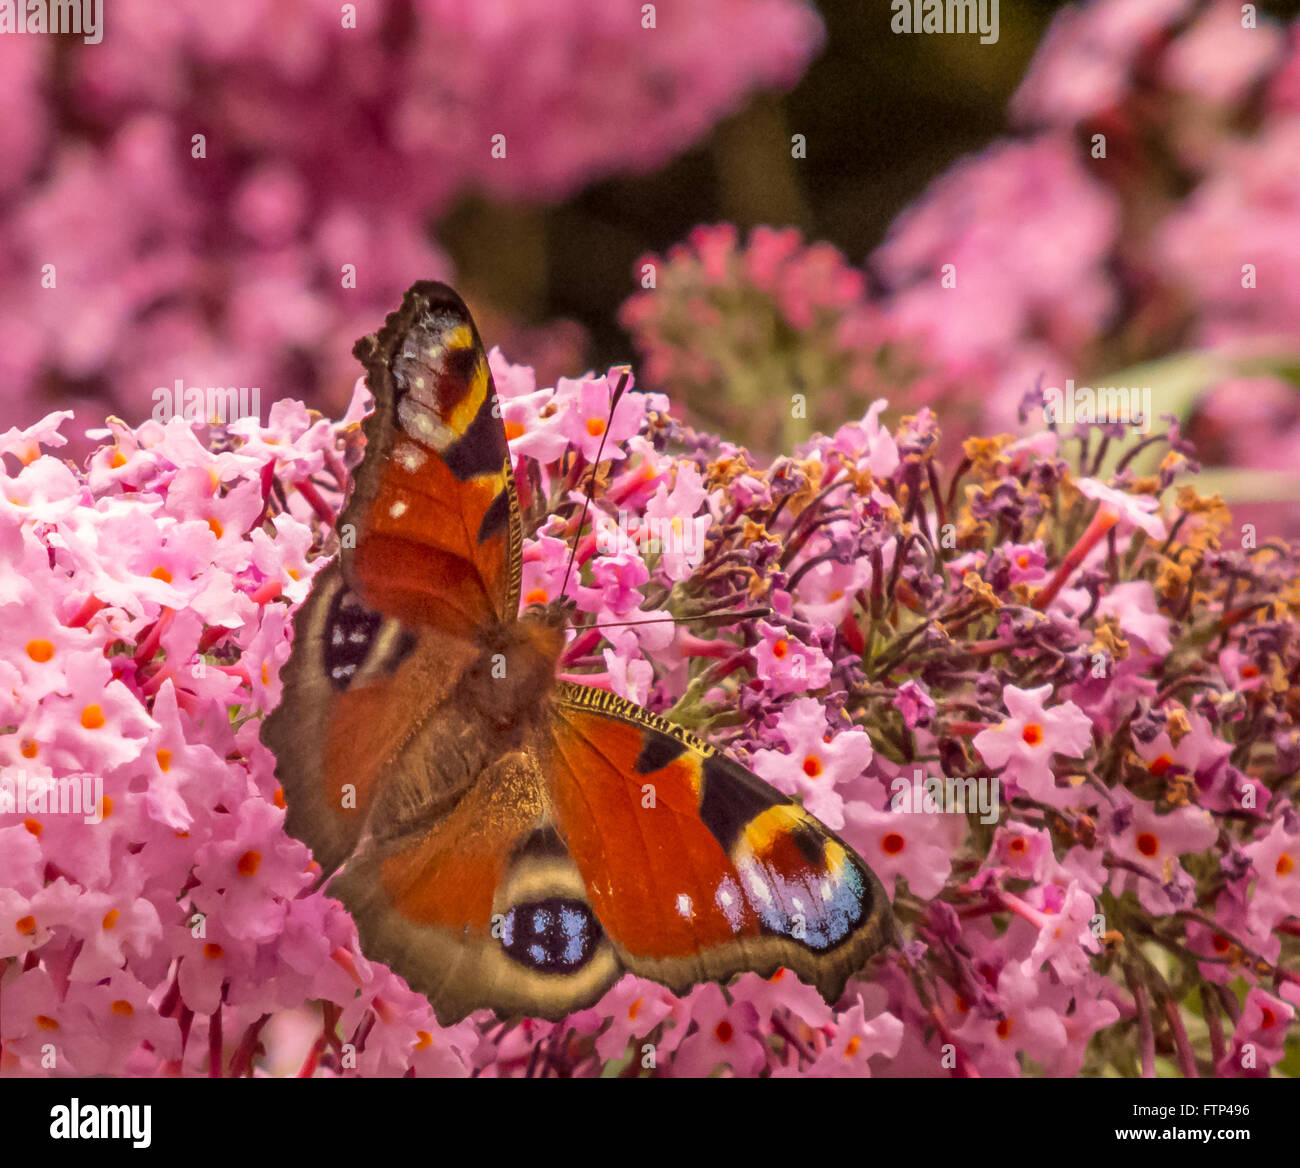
1054,709
769,340
228,196
1149,209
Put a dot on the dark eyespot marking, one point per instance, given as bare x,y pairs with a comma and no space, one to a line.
657,751
809,842
553,936
350,631
460,365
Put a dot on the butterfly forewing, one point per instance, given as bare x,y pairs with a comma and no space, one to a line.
432,533
712,871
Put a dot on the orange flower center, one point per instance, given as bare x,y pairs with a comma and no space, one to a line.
249,862
892,844
514,430
812,766
92,717
122,1008
1157,766
780,648
40,650
595,427
1032,733
1147,844
1285,864
723,1031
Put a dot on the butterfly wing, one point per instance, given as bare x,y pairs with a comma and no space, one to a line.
434,818
486,909
357,689
696,868
431,535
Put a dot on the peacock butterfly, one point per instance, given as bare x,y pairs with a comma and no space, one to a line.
484,821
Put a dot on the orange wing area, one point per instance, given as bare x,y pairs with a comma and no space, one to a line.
696,868
358,689
483,908
431,535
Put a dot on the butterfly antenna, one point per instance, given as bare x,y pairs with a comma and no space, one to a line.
727,618
591,484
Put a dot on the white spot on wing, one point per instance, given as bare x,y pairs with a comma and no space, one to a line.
409,457
728,898
757,886
421,423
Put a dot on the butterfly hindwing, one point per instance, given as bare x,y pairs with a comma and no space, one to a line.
431,535
695,867
485,909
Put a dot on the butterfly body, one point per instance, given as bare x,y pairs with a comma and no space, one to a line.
503,838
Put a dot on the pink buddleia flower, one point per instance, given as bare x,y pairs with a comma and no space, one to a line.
1022,746
1065,938
725,1035
816,764
917,847
585,421
680,530
1150,844
856,1040
1026,1024
787,666
1276,859
1258,1038
630,1010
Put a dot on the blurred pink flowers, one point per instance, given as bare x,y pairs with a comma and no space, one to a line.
1145,223
230,195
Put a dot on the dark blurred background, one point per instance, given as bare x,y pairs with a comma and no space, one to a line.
883,115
